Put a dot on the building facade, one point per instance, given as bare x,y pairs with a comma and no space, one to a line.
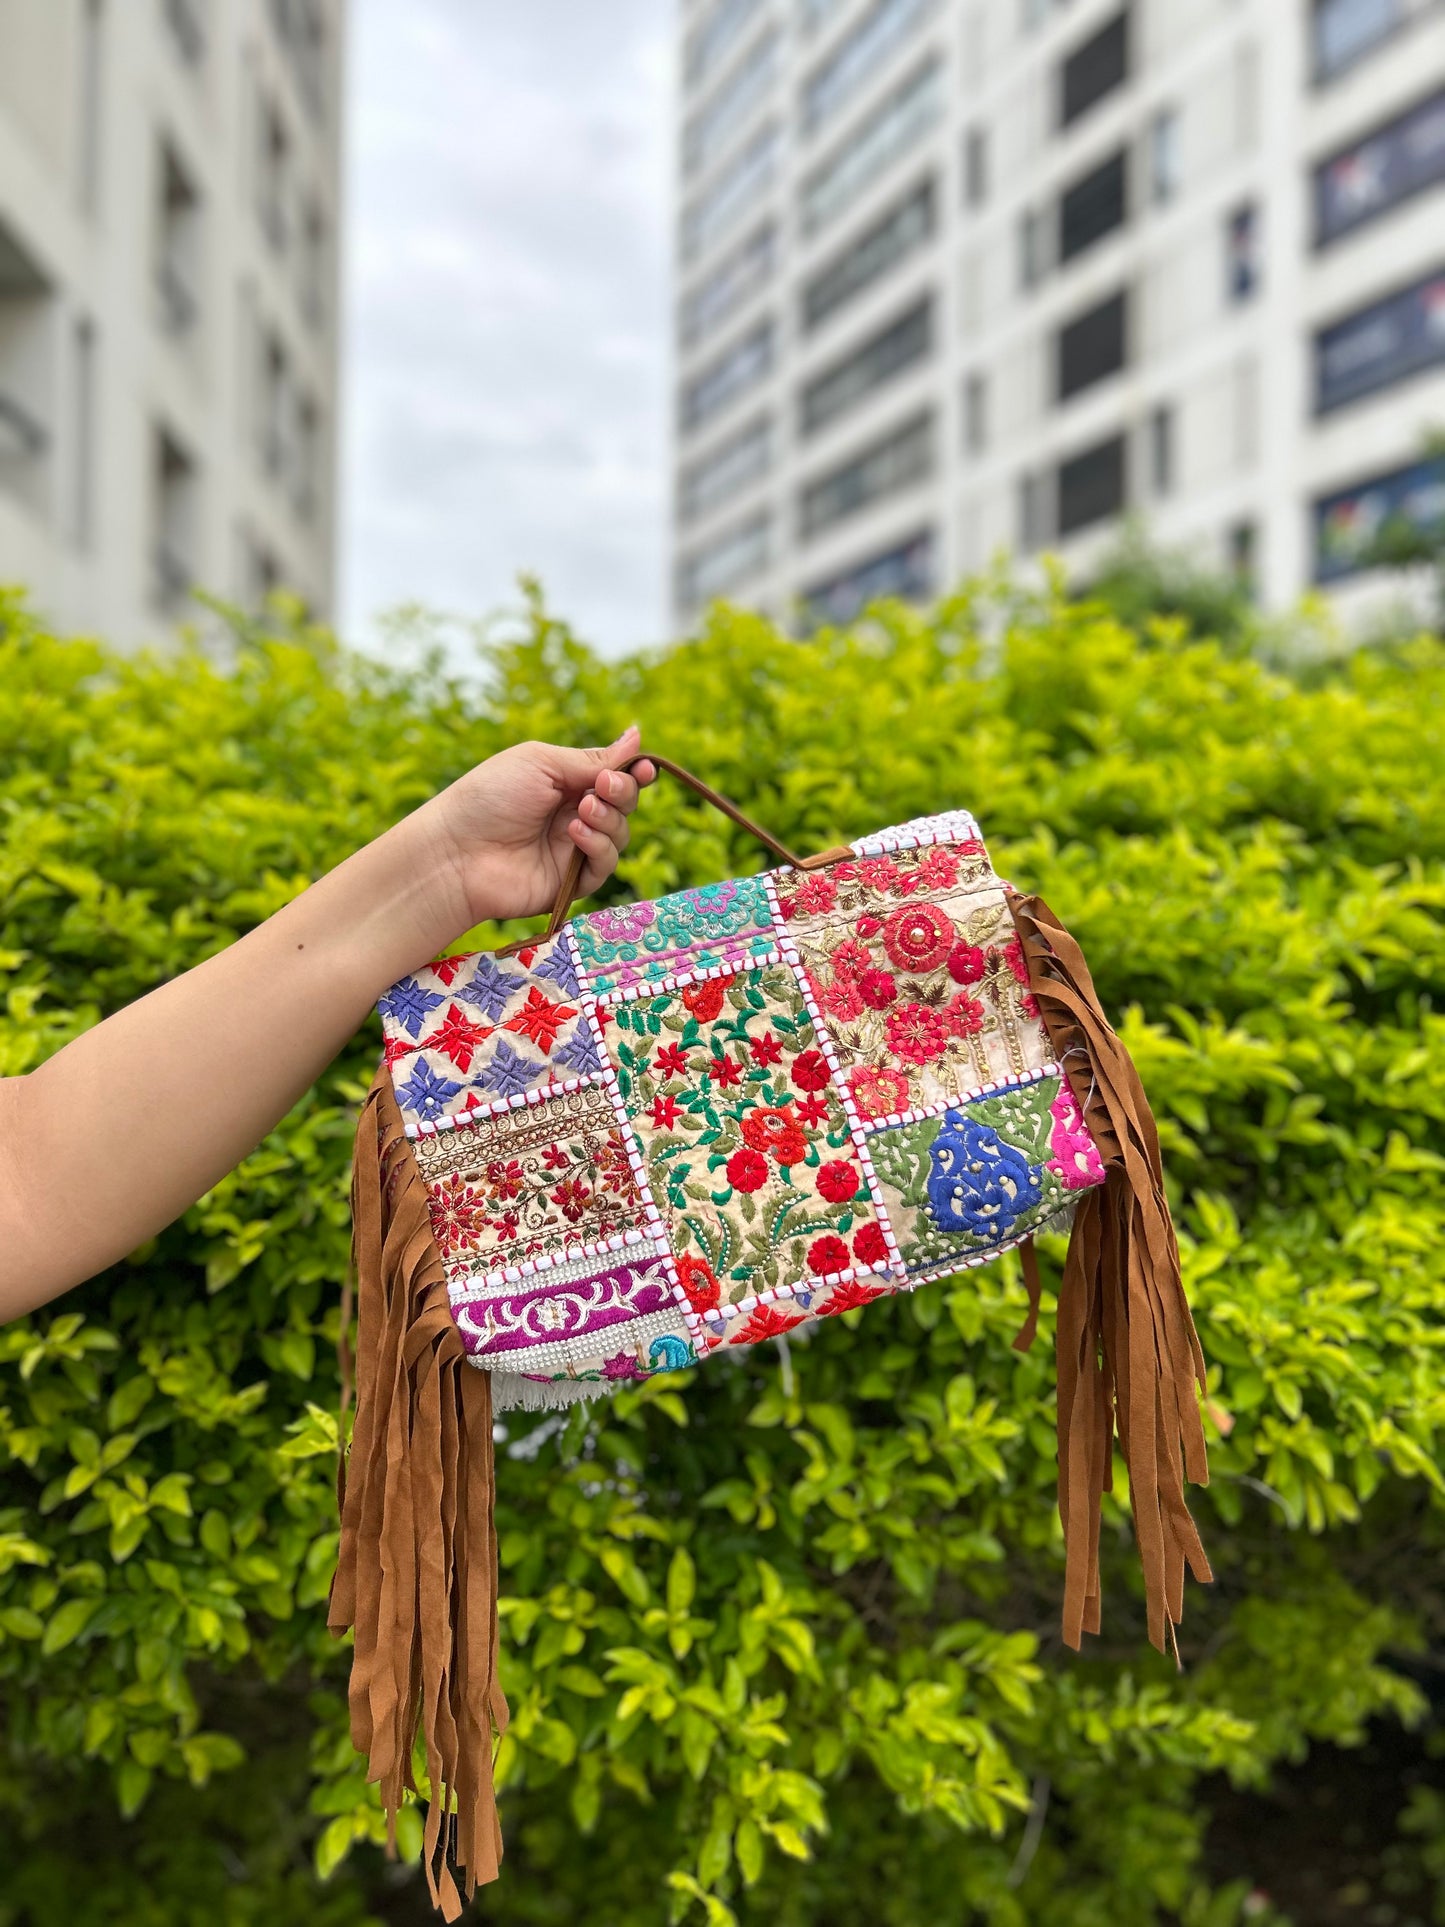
169,174
961,276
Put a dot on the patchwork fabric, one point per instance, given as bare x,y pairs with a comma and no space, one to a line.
695,1123
641,943
529,1184
469,1032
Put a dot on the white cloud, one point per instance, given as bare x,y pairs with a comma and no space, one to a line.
506,366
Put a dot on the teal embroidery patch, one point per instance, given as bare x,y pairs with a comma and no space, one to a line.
724,923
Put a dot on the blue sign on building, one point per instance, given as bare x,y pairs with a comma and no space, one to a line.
1347,522
1381,344
1378,172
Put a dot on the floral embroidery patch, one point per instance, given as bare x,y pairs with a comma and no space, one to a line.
976,1177
473,1033
745,1141
917,973
538,1181
724,923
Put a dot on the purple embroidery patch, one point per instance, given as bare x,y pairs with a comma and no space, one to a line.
541,1311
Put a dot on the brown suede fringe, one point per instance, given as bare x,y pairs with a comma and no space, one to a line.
1128,1356
417,1571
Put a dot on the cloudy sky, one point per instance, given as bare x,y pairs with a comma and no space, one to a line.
506,269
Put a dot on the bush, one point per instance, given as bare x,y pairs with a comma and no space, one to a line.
780,1638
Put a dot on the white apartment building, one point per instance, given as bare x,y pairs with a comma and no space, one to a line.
959,276
168,304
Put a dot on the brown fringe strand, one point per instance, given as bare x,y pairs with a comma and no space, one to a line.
417,1570
1128,1355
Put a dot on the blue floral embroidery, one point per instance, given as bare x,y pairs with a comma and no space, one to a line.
491,988
408,1005
578,1054
669,1354
425,1092
509,1073
977,1182
556,967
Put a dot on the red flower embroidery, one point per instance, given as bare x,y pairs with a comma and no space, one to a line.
726,1072
554,1158
879,1092
868,926
747,1170
456,1215
457,1038
766,1322
812,1110
967,963
671,1060
777,1132
570,1198
445,969
937,869
766,1049
613,1165
916,1034
852,1293
877,989
918,938
850,957
878,872
970,846
828,1254
786,907
395,1048
816,894
869,1245
695,1275
1030,1004
1013,956
505,1179
963,1015
705,1000
540,1020
664,1112
837,1182
810,1071
841,1000
506,1226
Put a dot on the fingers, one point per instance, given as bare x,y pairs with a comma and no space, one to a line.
600,769
609,819
598,848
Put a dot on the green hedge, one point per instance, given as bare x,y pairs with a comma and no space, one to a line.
780,1647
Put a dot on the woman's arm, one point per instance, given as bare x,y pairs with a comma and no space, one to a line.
123,1129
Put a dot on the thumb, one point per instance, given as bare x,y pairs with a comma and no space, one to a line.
582,766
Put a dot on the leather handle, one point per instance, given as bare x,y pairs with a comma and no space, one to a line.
572,879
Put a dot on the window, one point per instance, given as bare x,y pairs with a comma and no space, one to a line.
187,30
302,34
1034,527
274,425
1348,522
261,572
900,345
1092,346
734,190
715,35
312,274
1164,167
1242,550
1091,486
1094,69
1035,247
1093,207
731,375
738,277
306,479
975,167
27,323
905,226
174,555
1366,179
906,572
975,414
1242,260
711,130
878,35
722,564
1381,344
91,130
177,245
273,177
82,490
1161,450
895,462
708,483
1344,31
895,126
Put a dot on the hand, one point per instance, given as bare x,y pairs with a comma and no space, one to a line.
509,826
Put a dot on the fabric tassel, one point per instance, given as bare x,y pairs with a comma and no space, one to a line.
417,1570
1128,1356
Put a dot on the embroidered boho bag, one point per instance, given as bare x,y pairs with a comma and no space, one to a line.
665,1129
